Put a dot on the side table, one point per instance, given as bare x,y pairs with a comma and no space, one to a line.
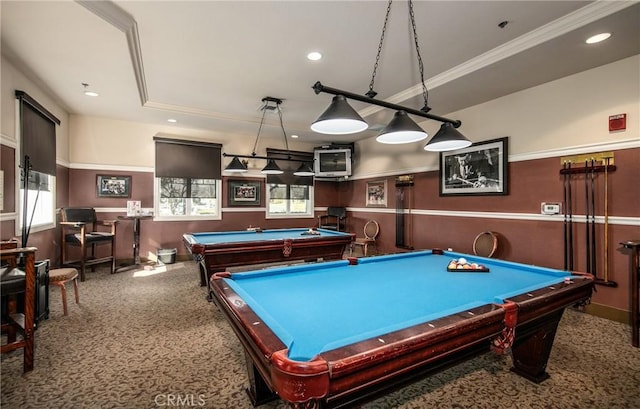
136,240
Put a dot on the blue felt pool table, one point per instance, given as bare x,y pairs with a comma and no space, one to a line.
217,251
332,334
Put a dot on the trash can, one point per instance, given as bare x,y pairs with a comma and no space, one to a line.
167,256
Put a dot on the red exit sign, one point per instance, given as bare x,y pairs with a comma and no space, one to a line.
617,122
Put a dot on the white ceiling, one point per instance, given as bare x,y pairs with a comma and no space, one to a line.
208,64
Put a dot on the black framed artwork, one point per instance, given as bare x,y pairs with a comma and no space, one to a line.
478,170
113,186
244,193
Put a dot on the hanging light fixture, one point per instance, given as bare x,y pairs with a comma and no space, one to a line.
304,170
446,139
236,166
272,168
402,129
339,119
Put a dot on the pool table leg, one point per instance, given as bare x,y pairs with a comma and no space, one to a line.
258,390
203,273
532,346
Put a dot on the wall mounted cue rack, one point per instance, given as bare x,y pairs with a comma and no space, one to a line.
602,161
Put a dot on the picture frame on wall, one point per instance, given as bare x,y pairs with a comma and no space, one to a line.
244,193
376,194
113,186
478,170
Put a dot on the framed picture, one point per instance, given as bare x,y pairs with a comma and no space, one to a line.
244,193
377,194
480,169
114,186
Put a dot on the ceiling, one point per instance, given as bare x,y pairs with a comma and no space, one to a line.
208,64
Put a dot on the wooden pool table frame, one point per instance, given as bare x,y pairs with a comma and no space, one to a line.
371,368
215,257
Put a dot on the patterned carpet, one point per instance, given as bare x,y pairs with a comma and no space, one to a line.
152,341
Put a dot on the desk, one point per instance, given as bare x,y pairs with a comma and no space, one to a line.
634,271
136,239
219,250
337,333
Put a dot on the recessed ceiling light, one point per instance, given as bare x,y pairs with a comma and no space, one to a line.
294,136
173,121
88,92
597,38
314,56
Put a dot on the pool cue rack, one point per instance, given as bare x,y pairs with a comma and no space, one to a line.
589,165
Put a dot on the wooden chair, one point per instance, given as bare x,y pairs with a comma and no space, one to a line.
14,282
485,244
335,219
80,228
371,231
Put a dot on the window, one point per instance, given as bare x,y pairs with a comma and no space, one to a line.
289,195
187,183
40,201
289,200
188,197
37,136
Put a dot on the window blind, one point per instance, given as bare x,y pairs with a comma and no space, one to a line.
37,135
188,159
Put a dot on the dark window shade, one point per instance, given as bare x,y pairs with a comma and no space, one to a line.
188,159
37,135
38,181
288,166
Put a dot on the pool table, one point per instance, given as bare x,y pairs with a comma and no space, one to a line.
218,250
339,333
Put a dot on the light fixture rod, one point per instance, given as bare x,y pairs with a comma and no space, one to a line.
318,88
263,157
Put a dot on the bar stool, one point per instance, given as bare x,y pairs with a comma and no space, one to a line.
60,277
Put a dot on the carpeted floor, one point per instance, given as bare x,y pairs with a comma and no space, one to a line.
140,340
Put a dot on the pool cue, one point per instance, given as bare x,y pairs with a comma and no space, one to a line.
606,221
586,214
570,211
605,280
564,211
594,264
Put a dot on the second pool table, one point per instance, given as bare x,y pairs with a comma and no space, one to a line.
332,334
218,250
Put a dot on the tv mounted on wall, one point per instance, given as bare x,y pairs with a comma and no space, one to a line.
332,163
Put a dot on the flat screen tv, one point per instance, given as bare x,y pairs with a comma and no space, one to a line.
332,163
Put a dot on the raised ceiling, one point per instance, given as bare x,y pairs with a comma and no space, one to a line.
208,64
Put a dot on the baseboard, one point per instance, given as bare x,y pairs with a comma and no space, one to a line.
610,313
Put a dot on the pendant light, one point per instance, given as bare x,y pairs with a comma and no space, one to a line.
446,139
341,119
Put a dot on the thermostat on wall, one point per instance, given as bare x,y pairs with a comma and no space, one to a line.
550,208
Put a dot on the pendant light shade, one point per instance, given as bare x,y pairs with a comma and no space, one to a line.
339,119
236,166
446,139
304,170
272,168
401,129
